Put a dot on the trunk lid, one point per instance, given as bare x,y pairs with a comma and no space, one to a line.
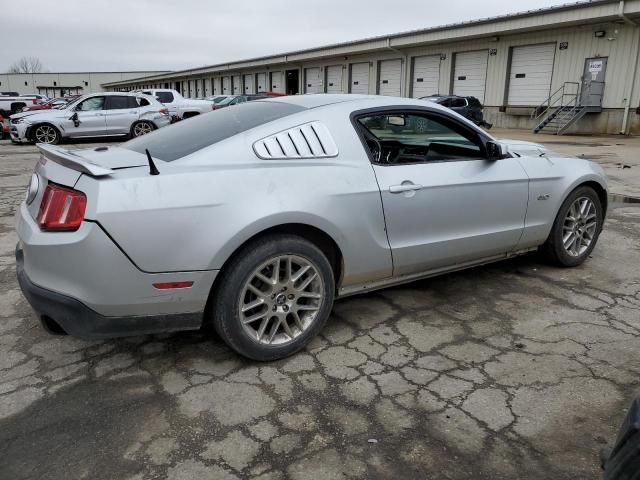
64,167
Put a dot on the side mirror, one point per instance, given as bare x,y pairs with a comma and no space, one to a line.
494,151
74,118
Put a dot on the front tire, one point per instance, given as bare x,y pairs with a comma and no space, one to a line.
46,133
576,228
274,296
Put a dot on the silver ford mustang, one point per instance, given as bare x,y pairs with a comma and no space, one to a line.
255,218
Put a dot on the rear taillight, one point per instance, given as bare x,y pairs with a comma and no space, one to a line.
62,209
35,101
164,111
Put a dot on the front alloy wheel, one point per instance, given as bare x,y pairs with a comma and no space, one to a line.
576,228
580,226
273,297
46,134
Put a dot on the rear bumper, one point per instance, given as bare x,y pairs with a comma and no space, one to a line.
77,319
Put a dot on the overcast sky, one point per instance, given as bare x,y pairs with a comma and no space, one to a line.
115,35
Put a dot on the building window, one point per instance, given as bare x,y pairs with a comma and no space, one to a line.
86,84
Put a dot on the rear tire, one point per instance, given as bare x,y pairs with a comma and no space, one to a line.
576,228
141,128
261,310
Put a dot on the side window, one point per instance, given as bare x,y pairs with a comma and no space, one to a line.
143,102
93,103
164,97
458,103
403,138
120,102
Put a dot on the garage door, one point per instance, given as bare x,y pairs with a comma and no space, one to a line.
226,85
261,82
249,84
236,83
217,86
426,76
277,84
313,80
470,75
390,79
359,78
334,79
530,75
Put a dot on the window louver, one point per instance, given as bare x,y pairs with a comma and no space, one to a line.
311,140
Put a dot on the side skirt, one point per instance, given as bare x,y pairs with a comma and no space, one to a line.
393,281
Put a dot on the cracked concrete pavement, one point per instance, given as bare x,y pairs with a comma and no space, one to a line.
514,370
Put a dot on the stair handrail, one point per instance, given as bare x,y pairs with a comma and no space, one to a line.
557,100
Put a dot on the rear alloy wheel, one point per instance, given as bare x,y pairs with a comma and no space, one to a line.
142,128
46,134
274,297
576,228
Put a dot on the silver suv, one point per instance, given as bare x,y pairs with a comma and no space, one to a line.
94,115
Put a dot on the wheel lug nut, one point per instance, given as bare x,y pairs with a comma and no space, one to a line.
274,308
285,308
291,296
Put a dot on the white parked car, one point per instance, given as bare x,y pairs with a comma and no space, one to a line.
94,115
179,107
15,103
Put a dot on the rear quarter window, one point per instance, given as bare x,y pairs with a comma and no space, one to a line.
184,138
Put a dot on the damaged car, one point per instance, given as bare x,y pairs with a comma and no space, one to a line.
111,114
254,219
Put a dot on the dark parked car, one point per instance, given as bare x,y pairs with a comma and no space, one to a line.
235,100
468,107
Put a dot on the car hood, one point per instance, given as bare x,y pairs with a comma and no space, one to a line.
523,148
39,115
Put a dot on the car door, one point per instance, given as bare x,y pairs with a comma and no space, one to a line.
88,118
121,112
444,202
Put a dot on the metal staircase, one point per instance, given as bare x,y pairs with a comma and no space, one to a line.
566,106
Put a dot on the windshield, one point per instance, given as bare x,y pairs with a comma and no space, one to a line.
226,100
184,138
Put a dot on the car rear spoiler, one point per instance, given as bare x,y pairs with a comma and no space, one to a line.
72,160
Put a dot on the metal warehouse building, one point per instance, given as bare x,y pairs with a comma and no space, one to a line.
569,68
60,84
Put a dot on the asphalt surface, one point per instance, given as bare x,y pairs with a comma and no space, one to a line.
514,370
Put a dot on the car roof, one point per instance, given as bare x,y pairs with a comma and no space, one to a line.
354,101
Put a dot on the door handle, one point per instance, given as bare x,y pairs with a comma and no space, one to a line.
406,186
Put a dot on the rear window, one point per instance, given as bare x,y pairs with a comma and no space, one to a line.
186,137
